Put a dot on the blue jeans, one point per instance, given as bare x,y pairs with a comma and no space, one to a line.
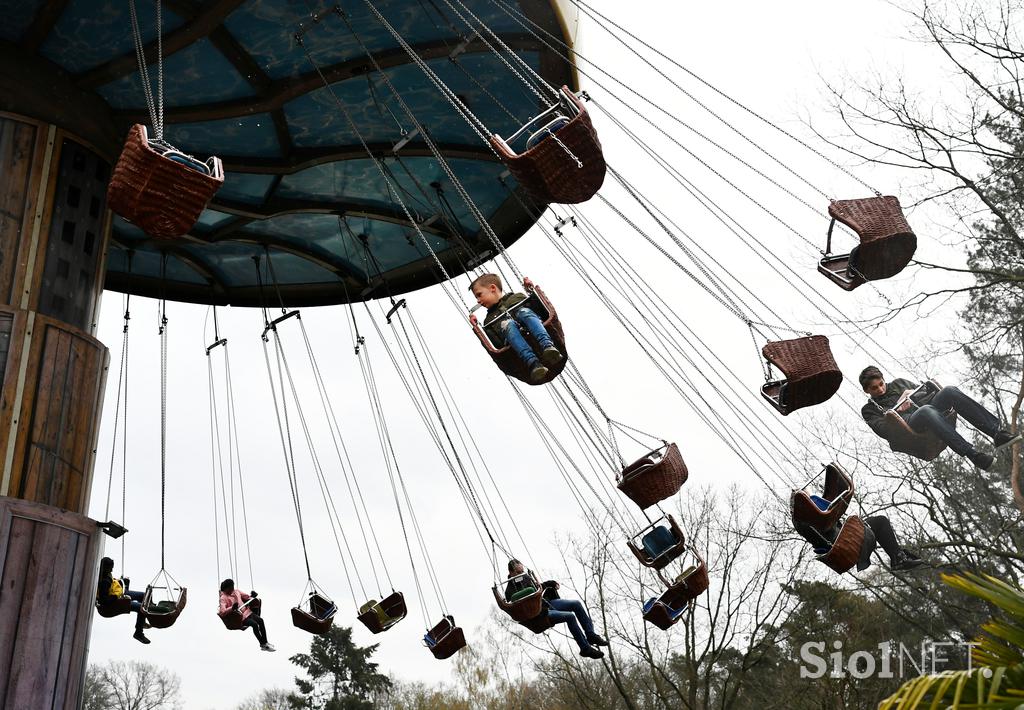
574,614
137,607
515,339
931,418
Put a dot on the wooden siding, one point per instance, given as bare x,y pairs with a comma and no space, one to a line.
48,561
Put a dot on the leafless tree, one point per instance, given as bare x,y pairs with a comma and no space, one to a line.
136,685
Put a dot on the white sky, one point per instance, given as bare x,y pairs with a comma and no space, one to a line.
771,58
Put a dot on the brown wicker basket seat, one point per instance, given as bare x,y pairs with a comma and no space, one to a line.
548,171
380,616
316,616
108,610
233,620
658,612
904,440
655,476
689,584
845,551
161,196
665,610
445,638
524,607
162,615
811,373
508,362
837,494
887,243
666,543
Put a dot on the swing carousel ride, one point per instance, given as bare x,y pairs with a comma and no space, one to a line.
275,155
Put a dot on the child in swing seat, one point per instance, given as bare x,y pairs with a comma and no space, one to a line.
232,599
505,319
110,588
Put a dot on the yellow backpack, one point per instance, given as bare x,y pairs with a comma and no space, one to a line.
116,588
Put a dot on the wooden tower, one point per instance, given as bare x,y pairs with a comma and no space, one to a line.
54,229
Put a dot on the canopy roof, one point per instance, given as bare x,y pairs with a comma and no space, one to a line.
299,186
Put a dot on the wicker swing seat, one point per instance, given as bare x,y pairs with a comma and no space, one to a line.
566,166
904,440
445,638
380,616
845,551
657,544
504,357
161,190
811,373
318,618
121,605
654,477
233,620
658,612
665,610
689,584
525,604
887,243
162,615
823,512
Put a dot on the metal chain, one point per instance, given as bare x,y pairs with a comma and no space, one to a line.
463,193
376,161
156,108
163,430
725,96
478,126
504,46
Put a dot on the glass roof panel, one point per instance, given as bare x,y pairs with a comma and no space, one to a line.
249,188
247,135
316,120
92,32
197,74
266,29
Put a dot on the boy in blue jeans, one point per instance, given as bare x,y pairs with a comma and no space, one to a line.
506,317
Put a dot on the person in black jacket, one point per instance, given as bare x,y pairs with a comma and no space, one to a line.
560,611
878,532
886,397
109,589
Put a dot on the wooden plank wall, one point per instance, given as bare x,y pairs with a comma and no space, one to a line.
48,563
60,376
20,153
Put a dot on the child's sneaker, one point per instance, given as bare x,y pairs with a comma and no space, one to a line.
591,652
537,373
551,356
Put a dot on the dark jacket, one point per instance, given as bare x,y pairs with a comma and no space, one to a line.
496,317
874,411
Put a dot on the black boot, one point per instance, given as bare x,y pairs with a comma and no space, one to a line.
1003,438
905,560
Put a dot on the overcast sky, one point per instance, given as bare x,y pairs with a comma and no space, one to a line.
775,58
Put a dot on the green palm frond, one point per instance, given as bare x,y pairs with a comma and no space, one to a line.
998,681
1008,598
1000,688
